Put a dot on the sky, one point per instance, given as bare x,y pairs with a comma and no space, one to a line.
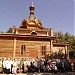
56,14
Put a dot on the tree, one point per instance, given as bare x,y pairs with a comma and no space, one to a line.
72,54
60,35
1,31
57,55
67,36
9,30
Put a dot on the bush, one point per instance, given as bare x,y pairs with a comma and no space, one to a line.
72,54
58,55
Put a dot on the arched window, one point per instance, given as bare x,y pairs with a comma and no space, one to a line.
33,33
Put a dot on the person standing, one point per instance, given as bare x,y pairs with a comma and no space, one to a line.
4,65
0,65
8,66
22,65
14,68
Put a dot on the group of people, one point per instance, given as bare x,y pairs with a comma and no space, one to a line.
21,65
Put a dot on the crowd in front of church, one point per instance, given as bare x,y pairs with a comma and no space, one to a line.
15,66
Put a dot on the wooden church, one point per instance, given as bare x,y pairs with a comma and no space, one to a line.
30,40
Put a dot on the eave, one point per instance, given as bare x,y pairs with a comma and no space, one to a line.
27,37
61,44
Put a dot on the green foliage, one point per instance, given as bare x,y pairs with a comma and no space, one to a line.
67,38
60,35
1,31
9,30
58,55
72,54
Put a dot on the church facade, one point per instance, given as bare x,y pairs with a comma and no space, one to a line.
30,40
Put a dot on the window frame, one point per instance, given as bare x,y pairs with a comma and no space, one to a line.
23,49
43,49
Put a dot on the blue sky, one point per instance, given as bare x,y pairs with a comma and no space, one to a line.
56,14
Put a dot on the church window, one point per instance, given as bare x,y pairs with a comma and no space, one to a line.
33,33
23,49
43,50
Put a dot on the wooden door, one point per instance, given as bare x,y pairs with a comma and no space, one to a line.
34,53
